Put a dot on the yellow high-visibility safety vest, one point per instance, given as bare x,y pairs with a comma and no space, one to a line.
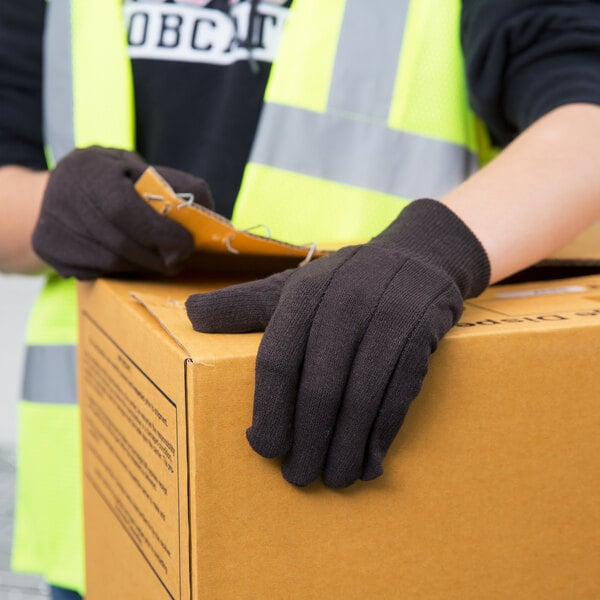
88,99
366,108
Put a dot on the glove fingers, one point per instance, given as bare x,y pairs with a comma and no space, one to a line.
374,365
133,232
403,388
282,353
68,252
186,183
72,252
90,196
238,308
408,377
336,332
97,163
146,238
126,224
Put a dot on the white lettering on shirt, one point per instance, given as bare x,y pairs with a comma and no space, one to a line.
185,32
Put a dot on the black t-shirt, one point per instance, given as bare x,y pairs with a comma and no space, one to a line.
199,77
200,68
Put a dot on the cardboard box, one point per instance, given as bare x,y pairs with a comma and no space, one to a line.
584,250
491,490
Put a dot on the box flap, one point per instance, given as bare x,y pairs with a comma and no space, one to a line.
170,312
507,307
213,234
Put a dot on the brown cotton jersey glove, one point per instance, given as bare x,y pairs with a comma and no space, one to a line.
93,223
348,339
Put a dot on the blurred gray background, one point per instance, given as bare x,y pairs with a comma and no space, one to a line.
17,294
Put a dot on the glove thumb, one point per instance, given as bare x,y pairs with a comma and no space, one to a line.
239,308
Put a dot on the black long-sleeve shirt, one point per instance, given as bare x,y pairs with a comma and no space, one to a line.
522,58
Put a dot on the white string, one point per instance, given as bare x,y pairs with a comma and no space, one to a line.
263,225
311,252
188,199
154,197
228,245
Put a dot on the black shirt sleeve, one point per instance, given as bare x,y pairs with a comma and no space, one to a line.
21,32
526,57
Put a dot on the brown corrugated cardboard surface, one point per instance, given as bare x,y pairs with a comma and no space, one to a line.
584,249
491,490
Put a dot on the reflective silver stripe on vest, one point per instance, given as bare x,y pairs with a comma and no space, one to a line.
51,374
317,145
368,50
58,80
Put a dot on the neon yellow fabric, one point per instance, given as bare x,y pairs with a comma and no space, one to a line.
329,213
425,69
487,151
53,319
50,162
49,515
312,89
48,536
103,102
300,209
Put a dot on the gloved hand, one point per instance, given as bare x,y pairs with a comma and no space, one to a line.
93,223
348,339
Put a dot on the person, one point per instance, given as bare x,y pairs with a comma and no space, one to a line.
349,133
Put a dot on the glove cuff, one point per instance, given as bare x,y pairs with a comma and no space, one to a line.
428,231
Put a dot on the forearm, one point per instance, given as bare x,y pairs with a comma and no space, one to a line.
21,192
538,194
